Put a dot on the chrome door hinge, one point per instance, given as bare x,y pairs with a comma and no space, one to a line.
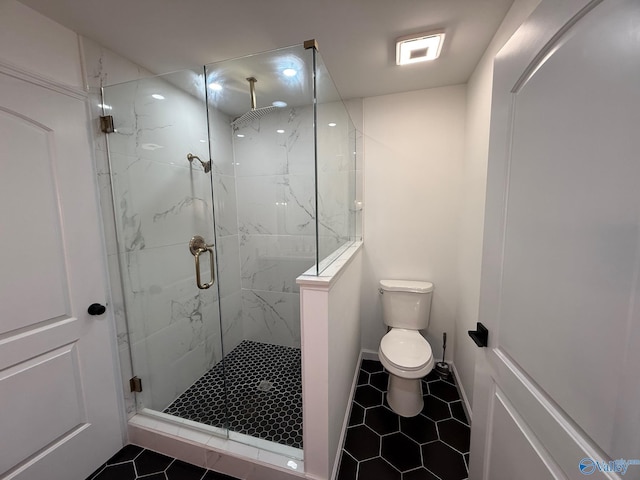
106,124
135,384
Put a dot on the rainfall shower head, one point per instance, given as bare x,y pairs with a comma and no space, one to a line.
254,113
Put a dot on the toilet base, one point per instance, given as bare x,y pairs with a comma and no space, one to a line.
404,395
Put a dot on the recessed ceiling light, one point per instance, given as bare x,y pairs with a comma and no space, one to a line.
419,48
279,131
216,87
157,96
289,72
279,104
240,135
332,124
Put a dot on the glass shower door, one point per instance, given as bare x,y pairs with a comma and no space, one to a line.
161,181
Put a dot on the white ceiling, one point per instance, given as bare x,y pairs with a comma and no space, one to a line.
356,37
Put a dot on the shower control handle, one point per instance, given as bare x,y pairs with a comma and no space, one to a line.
198,246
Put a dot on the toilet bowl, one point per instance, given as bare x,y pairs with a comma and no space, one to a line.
404,352
408,358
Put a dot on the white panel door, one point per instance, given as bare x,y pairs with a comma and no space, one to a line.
59,416
557,391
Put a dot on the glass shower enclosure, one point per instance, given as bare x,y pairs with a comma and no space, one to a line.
228,183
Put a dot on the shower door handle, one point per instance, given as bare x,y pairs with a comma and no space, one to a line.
197,246
204,286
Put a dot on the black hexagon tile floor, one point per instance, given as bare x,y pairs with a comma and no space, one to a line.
380,445
263,393
133,462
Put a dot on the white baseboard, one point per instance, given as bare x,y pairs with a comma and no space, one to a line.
345,423
463,394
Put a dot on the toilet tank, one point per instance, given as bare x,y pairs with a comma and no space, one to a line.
406,303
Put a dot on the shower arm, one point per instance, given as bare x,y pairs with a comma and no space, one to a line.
205,165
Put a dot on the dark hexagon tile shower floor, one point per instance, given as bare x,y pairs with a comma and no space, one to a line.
274,415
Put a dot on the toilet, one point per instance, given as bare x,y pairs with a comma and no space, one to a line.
404,352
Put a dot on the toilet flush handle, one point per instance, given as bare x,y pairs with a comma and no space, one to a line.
380,291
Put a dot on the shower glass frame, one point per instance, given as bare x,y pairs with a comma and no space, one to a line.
312,201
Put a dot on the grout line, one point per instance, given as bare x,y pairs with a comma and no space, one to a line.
439,478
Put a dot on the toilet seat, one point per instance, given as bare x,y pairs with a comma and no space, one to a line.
406,350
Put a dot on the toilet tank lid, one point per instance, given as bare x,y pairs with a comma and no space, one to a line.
406,286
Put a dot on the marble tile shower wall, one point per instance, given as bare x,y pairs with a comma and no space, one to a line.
274,165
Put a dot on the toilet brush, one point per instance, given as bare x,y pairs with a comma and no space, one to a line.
442,368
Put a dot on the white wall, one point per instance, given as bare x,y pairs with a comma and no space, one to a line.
343,349
413,146
330,320
473,182
31,41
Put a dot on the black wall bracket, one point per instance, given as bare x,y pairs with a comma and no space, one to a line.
480,335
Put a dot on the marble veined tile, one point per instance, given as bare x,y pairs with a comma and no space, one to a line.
191,366
159,204
273,262
157,121
271,317
117,301
281,204
228,258
164,363
179,354
160,289
221,143
106,201
231,321
226,210
336,204
279,143
133,294
210,311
